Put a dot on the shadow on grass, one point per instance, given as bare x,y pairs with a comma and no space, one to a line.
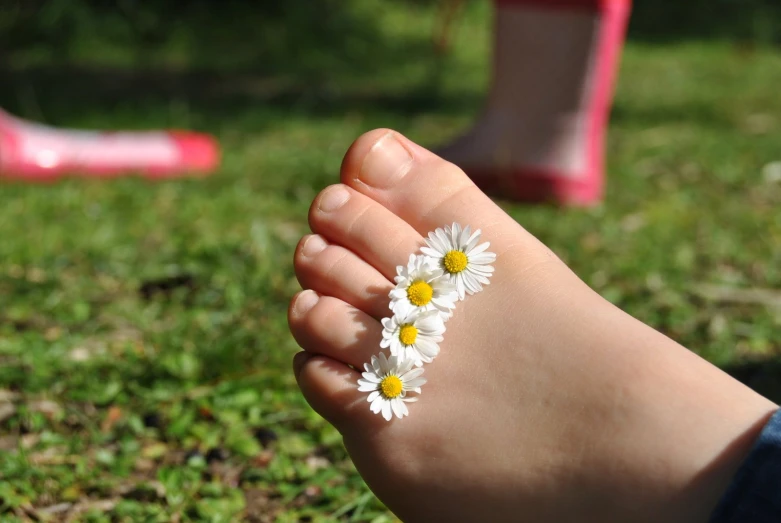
220,57
286,56
764,376
60,93
751,21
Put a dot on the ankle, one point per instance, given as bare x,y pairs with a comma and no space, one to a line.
679,439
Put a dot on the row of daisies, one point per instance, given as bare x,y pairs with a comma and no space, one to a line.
452,265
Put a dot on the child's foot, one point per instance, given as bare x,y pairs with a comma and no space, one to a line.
546,402
34,152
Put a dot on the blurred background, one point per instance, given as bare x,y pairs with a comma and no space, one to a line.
144,352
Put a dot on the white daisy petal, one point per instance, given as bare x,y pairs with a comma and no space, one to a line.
431,241
440,245
428,350
373,396
483,262
463,240
386,410
416,383
412,374
456,230
376,369
472,241
481,278
402,307
429,322
472,285
443,237
479,249
384,364
365,386
392,362
404,366
479,266
396,404
397,294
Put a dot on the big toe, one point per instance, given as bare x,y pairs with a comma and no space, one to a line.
428,192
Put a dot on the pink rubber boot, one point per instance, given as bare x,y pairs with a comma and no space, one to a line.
541,137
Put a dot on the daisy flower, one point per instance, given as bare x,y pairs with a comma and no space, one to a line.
415,336
422,287
388,380
464,263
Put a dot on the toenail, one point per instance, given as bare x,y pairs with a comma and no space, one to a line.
333,198
313,245
305,301
386,163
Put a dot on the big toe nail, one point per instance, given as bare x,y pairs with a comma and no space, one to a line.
386,162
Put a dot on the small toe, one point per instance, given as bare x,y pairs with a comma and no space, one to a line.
330,388
334,270
328,326
346,217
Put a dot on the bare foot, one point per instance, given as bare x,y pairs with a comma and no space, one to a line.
546,402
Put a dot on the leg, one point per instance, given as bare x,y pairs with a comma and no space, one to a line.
541,135
546,400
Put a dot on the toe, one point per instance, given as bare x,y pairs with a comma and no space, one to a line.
333,270
423,189
348,218
330,387
328,326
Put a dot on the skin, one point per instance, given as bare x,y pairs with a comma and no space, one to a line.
547,403
535,115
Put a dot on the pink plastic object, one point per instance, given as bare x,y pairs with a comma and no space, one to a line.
584,188
38,153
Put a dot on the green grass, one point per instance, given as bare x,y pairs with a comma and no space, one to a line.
144,353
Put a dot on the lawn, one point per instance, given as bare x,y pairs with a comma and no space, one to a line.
144,352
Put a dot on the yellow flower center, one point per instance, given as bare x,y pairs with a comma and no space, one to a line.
420,293
408,334
454,262
391,387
